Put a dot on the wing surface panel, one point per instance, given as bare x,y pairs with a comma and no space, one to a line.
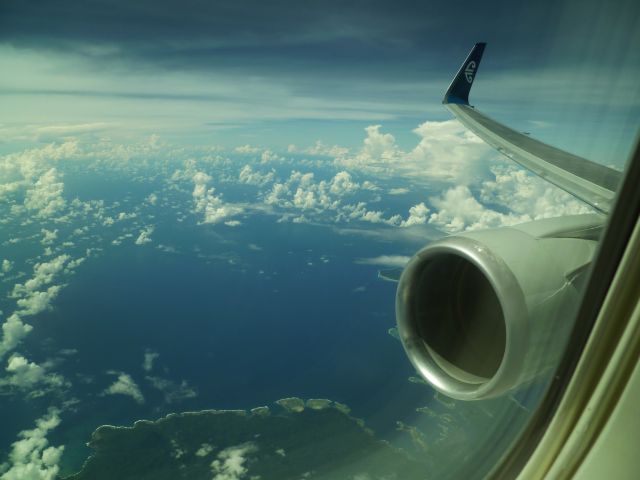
591,182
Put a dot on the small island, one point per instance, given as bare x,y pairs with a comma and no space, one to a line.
314,439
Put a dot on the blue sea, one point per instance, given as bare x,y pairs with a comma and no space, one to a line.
243,316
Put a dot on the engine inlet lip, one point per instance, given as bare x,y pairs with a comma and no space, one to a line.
512,302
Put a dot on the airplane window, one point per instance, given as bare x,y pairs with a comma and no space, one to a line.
280,241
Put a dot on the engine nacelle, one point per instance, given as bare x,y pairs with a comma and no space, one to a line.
481,313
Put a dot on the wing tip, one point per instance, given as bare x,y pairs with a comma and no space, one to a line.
458,91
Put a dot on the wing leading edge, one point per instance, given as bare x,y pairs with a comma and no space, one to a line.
591,182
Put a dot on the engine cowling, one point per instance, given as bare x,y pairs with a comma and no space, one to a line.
484,312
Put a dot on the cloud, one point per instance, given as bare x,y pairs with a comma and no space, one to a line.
398,191
279,192
218,213
31,170
385,260
7,189
149,358
58,131
378,155
204,450
359,212
43,274
368,185
48,236
379,146
37,302
526,194
250,177
145,35
26,375
206,202
247,149
417,215
200,181
125,385
268,156
230,464
145,235
302,192
31,457
342,184
523,197
13,331
173,392
321,149
45,197
6,266
127,216
446,151
73,264
457,209
304,199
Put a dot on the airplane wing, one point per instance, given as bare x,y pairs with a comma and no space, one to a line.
590,182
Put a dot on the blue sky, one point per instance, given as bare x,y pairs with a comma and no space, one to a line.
281,73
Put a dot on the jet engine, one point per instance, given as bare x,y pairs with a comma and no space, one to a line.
484,312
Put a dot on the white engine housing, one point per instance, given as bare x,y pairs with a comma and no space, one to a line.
483,312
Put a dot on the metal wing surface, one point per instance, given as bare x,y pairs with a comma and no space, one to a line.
590,182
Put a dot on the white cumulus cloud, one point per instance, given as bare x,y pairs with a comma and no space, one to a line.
446,151
31,457
14,330
45,196
417,215
25,375
145,235
215,210
251,177
230,462
125,385
204,450
36,302
6,267
457,209
43,274
342,183
48,236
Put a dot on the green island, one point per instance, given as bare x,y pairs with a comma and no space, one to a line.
313,439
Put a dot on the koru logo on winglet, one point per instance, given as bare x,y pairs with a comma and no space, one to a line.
469,71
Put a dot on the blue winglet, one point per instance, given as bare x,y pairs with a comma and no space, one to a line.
458,91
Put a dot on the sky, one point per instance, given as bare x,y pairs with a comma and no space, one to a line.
278,73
